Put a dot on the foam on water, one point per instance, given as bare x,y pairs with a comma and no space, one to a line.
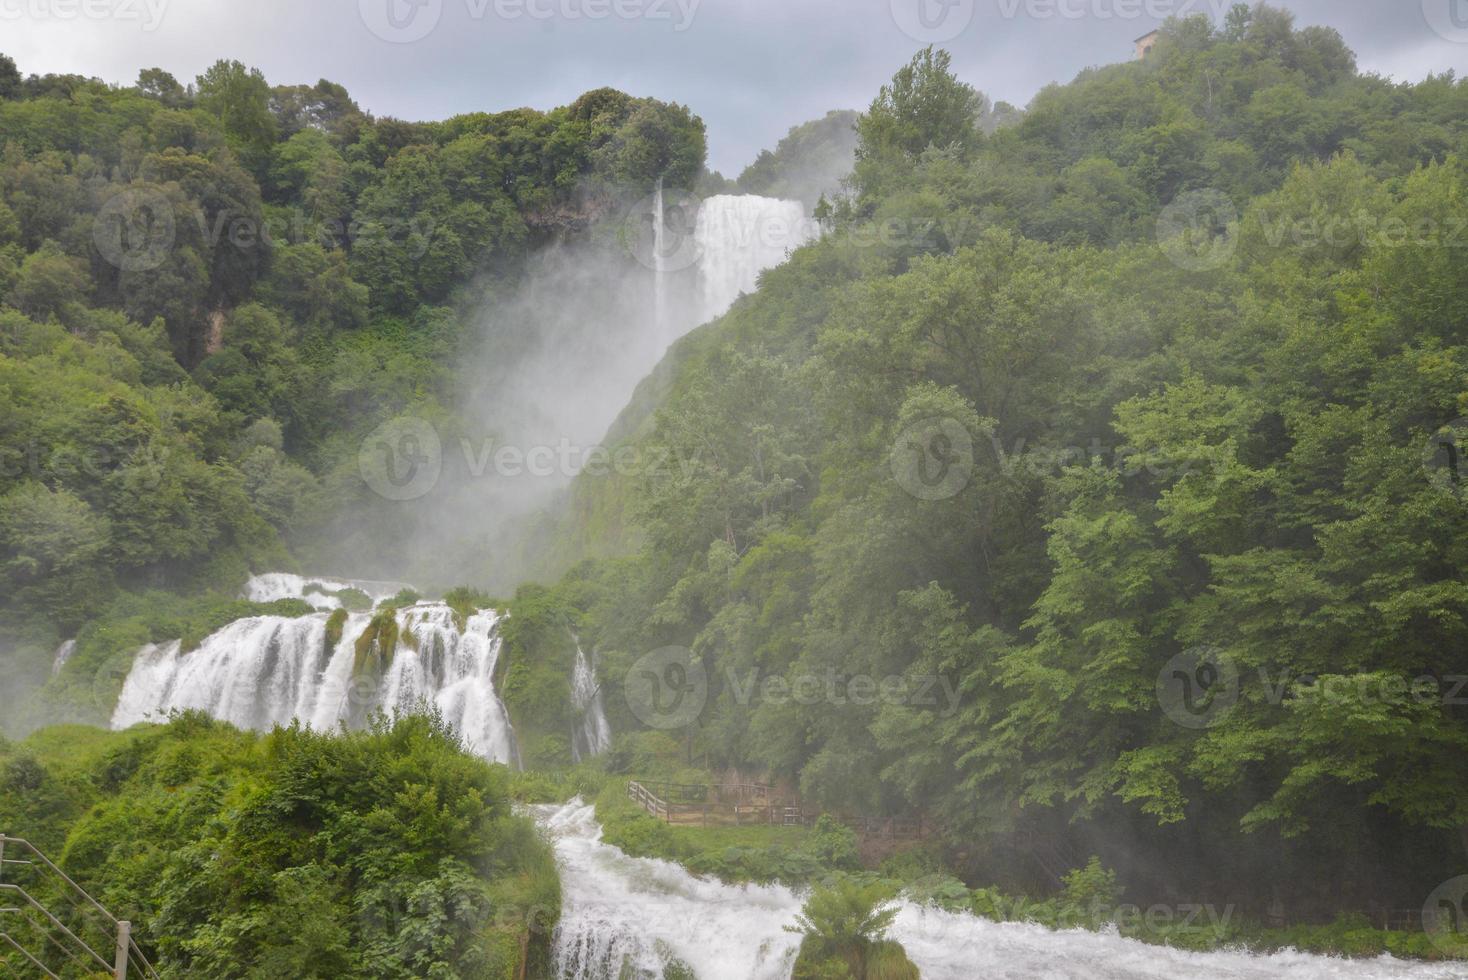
630,917
272,670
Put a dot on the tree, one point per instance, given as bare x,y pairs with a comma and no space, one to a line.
49,279
925,105
159,84
240,98
52,550
10,81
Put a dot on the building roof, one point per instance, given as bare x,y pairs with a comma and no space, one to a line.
1151,33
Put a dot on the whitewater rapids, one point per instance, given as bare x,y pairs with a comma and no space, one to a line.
632,917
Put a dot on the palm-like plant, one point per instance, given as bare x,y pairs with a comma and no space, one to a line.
843,923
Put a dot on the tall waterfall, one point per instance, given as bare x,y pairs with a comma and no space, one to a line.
632,917
272,670
740,236
591,734
660,261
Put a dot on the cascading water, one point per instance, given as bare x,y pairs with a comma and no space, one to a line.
273,670
738,237
283,585
632,917
591,735
660,261
63,654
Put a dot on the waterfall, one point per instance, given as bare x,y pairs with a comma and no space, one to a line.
272,670
314,589
659,262
63,654
740,236
632,917
590,734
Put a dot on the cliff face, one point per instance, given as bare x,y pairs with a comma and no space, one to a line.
571,219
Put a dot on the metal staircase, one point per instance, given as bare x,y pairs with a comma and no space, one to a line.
35,936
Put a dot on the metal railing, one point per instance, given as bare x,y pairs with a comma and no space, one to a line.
125,954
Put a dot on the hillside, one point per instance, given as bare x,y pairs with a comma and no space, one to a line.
1112,436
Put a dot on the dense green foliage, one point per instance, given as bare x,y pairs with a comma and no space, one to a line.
385,853
210,295
1070,417
1211,444
793,855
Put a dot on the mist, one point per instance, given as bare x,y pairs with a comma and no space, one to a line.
556,357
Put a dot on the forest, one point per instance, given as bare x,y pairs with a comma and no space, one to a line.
1096,471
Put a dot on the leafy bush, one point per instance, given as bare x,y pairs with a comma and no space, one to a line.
388,853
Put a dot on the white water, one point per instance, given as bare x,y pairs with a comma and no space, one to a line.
592,735
63,654
645,913
620,910
660,263
283,585
740,236
271,670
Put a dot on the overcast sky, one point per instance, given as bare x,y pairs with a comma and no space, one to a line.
750,68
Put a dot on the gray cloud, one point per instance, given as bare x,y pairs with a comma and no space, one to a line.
751,68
